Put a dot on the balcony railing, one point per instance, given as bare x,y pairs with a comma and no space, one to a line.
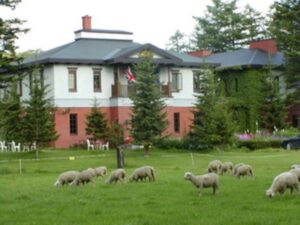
123,90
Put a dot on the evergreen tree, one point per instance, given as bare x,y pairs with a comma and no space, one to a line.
9,31
116,134
96,124
11,115
224,28
178,43
212,122
38,122
285,29
148,120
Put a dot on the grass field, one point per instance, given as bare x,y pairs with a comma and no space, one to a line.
31,199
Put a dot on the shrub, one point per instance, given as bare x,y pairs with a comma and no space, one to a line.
288,132
254,144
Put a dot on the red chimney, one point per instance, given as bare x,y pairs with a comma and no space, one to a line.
267,45
86,22
200,53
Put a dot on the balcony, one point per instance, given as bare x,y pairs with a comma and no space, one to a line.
124,90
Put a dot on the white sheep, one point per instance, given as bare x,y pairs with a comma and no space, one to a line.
66,178
235,168
294,166
100,171
244,170
204,181
142,173
215,166
282,182
226,167
83,177
297,172
116,175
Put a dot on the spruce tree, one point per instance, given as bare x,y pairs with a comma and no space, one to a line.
177,42
96,124
9,31
285,27
38,122
212,124
148,119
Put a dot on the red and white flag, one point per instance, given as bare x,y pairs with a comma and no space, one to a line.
129,75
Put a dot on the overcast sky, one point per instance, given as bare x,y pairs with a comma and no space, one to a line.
52,22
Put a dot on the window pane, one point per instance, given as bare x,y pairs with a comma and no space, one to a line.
72,80
73,123
175,81
176,122
97,80
197,83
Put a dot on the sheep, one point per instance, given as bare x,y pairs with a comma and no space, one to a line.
294,166
100,171
235,168
66,178
282,182
83,177
226,167
142,173
116,175
244,170
204,181
296,171
214,166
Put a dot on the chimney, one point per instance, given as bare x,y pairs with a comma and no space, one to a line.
200,53
267,45
86,22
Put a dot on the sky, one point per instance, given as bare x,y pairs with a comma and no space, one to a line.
52,22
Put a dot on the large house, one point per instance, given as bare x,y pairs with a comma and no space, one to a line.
94,65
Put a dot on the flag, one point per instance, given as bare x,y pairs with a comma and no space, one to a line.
129,75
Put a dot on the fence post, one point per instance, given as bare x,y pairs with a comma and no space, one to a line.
192,157
20,166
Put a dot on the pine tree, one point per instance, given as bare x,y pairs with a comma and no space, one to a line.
212,122
225,28
177,42
285,28
9,31
11,115
148,119
96,124
38,122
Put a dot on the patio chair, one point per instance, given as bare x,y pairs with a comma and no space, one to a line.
15,147
3,147
89,145
105,146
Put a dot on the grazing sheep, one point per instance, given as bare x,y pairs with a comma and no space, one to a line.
204,181
215,166
83,177
244,170
236,167
282,182
294,166
100,171
297,172
116,175
66,178
142,173
226,167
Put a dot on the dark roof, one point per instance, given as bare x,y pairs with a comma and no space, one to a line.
246,58
100,51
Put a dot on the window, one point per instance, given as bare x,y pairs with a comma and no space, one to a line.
176,81
20,87
295,120
197,81
236,84
177,122
73,124
72,80
97,80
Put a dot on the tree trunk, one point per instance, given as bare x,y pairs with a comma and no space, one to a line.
120,157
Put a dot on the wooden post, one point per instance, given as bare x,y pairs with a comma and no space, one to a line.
120,157
20,165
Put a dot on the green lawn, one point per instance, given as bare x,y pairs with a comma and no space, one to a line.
30,198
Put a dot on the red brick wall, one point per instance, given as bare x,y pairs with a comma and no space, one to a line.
120,114
268,45
294,110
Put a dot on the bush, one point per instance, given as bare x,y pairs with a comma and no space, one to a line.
254,144
186,143
288,132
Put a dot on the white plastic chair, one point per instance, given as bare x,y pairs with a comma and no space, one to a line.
89,145
15,147
3,147
105,146
33,146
